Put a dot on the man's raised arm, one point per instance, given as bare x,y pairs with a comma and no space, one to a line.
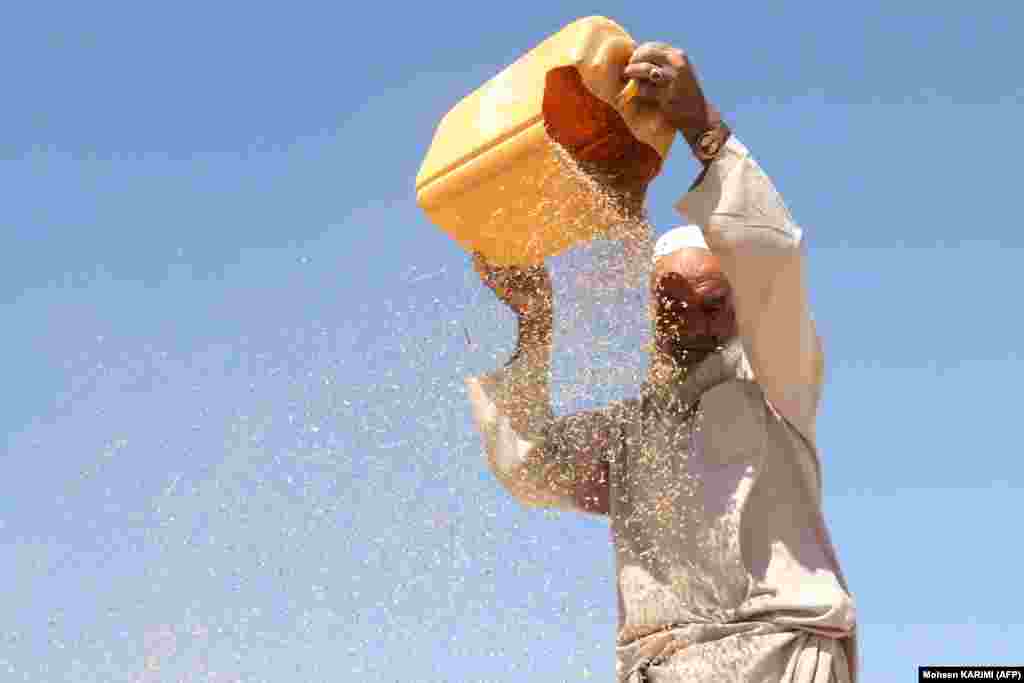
541,460
749,229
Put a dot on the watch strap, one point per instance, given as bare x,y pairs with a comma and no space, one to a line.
708,144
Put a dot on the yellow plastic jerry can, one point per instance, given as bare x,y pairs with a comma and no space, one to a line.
490,178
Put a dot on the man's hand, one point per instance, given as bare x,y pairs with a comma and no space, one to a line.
667,78
527,291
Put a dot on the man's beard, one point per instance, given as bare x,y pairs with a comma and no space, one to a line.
674,358
686,350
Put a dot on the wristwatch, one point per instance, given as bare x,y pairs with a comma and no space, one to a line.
709,143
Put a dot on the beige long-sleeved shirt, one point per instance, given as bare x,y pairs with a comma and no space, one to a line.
725,568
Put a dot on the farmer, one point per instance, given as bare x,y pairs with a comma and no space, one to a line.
711,477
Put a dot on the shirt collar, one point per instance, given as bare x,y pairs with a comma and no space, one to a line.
722,366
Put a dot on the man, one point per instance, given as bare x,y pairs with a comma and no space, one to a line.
710,478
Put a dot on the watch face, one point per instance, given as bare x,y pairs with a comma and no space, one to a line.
709,143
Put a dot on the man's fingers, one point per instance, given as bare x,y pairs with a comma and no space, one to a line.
489,275
492,272
661,54
480,264
643,71
485,272
647,91
652,52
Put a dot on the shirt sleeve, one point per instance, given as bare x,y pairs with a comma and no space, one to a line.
544,461
750,230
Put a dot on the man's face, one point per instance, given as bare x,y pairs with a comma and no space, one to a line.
691,304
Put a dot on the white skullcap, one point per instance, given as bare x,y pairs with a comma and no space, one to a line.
679,238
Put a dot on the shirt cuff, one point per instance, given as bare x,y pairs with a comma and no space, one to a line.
699,203
736,190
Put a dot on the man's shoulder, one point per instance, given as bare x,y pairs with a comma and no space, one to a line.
739,408
735,400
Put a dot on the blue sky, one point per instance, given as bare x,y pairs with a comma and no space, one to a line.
237,446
